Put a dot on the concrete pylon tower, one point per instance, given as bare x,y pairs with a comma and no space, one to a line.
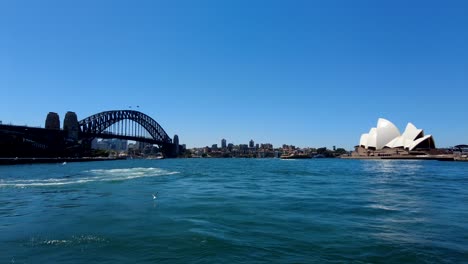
52,121
70,124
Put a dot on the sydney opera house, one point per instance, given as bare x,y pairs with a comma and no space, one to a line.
386,140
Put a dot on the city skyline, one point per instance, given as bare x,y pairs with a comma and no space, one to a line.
305,74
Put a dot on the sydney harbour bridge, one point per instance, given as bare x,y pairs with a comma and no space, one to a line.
75,137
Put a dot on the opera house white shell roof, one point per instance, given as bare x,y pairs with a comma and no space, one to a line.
387,135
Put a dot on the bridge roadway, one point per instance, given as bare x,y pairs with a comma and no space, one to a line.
24,141
16,161
125,137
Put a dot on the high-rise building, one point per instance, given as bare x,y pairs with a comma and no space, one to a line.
251,143
223,143
266,146
94,143
176,143
124,144
121,144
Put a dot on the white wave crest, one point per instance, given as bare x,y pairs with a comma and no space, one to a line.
99,175
74,240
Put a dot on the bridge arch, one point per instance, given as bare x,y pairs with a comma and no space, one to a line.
98,123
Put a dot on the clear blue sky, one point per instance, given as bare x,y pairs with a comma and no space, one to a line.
308,73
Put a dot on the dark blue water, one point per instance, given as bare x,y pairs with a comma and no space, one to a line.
235,210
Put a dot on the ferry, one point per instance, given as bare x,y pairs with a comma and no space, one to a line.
295,156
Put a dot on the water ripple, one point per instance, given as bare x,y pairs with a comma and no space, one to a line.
235,211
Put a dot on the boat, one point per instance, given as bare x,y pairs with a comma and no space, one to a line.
461,158
157,156
295,156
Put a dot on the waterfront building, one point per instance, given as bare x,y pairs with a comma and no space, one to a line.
387,135
412,138
243,148
140,145
102,144
266,146
121,145
385,141
223,143
251,143
214,146
94,143
110,144
288,147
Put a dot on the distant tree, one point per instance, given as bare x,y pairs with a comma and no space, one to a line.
321,150
186,153
100,153
226,155
340,151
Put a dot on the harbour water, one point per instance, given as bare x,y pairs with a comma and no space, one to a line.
235,211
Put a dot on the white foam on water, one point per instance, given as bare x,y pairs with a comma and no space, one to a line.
100,175
74,240
55,242
383,207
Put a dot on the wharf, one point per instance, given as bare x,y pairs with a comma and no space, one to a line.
16,161
405,157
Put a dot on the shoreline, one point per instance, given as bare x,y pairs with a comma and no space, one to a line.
409,157
18,161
